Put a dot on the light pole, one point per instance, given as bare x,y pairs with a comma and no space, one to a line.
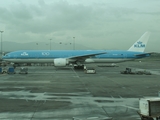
47,46
37,45
50,43
1,42
73,43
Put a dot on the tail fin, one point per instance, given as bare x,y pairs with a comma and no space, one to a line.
141,43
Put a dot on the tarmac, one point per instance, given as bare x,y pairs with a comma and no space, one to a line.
50,93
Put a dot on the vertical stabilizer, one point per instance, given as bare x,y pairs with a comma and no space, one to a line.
141,43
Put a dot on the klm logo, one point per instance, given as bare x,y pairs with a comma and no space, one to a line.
139,45
24,54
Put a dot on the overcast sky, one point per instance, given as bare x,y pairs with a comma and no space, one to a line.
99,24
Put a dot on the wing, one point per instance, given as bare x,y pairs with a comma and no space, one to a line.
84,57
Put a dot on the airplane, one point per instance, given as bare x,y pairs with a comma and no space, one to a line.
62,58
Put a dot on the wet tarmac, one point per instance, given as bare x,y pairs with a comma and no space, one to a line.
53,93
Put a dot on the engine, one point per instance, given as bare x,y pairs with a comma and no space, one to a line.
60,62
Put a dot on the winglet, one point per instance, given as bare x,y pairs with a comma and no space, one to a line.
141,43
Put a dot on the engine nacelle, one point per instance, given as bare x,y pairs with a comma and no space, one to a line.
60,62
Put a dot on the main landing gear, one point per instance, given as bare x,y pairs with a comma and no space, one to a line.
79,67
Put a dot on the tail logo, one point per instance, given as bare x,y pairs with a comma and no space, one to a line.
139,45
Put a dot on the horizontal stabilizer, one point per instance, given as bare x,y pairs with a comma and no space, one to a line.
144,54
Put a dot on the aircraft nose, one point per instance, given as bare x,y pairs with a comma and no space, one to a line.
4,57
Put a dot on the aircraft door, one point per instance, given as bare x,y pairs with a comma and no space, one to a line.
36,56
15,56
124,56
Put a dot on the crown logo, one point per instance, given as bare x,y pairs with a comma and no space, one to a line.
24,54
139,44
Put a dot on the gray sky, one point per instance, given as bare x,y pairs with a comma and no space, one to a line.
99,24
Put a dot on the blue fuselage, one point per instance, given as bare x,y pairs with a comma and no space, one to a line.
108,56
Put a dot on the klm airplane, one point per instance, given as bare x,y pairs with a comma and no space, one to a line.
78,58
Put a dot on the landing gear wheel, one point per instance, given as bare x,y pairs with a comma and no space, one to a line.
79,67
